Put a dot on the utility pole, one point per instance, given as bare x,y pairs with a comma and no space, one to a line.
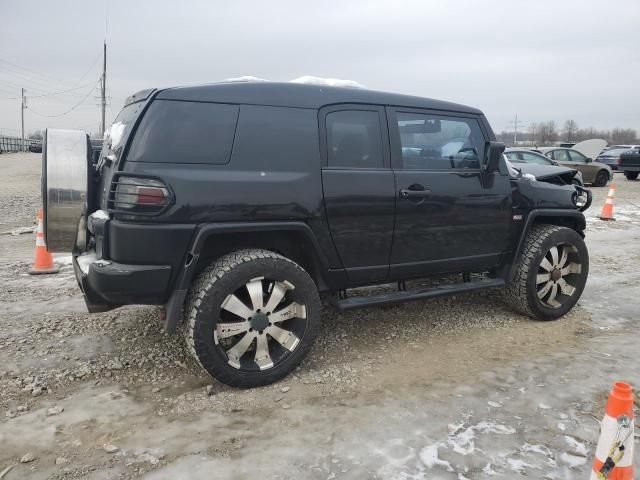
104,87
22,107
515,124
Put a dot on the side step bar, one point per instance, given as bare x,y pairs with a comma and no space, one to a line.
402,296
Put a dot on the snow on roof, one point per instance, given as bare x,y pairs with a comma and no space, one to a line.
306,79
331,82
245,78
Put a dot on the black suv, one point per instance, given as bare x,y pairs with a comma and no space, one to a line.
236,204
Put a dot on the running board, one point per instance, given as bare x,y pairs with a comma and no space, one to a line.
402,296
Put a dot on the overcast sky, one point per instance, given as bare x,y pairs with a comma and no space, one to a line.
544,60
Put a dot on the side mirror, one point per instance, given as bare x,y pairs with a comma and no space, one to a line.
589,160
493,155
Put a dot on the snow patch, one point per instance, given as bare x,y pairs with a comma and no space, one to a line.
488,470
519,465
63,260
115,134
541,449
462,440
429,456
100,215
572,460
330,82
245,78
494,404
578,447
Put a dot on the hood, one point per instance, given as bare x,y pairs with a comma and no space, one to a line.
591,148
542,172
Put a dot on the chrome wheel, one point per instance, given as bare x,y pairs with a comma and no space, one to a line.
260,324
558,275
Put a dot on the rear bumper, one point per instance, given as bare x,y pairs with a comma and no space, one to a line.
629,168
108,284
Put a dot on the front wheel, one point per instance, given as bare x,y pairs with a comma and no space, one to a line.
631,175
602,178
551,273
251,317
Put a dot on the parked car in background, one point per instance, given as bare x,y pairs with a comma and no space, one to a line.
611,156
630,164
525,155
96,148
35,148
596,173
542,168
628,147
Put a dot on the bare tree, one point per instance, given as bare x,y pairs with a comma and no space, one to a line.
546,133
37,135
570,130
534,132
623,136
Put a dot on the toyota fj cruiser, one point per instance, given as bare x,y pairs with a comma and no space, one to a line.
235,204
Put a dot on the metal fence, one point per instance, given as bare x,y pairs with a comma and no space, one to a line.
15,144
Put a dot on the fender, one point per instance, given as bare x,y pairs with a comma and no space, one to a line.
205,231
512,262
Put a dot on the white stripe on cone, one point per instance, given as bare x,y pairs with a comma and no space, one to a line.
608,431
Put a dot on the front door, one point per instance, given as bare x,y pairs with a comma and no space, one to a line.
450,216
359,189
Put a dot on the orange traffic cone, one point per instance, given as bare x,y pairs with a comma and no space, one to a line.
607,208
614,454
42,260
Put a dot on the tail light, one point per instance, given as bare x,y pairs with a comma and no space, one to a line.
619,161
139,195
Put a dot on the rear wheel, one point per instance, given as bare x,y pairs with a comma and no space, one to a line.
631,175
602,178
551,273
252,317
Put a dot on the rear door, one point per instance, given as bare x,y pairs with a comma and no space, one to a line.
450,216
359,189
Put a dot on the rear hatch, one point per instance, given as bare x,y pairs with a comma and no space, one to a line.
115,141
630,159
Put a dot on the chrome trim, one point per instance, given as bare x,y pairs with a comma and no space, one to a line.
65,181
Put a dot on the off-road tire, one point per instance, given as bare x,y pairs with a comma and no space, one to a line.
631,175
521,293
221,278
602,178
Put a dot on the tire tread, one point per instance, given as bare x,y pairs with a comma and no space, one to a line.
515,293
204,283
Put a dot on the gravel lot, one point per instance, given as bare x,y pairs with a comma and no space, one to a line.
455,388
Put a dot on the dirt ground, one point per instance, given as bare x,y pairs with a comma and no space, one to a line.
456,388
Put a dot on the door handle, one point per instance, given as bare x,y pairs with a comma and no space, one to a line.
411,194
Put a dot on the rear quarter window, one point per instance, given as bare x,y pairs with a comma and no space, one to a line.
185,132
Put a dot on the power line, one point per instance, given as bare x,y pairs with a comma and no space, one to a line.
44,79
51,94
33,73
68,111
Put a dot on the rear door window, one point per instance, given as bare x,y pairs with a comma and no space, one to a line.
533,158
561,156
185,132
354,139
577,156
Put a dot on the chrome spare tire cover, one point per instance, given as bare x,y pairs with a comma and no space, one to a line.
65,189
